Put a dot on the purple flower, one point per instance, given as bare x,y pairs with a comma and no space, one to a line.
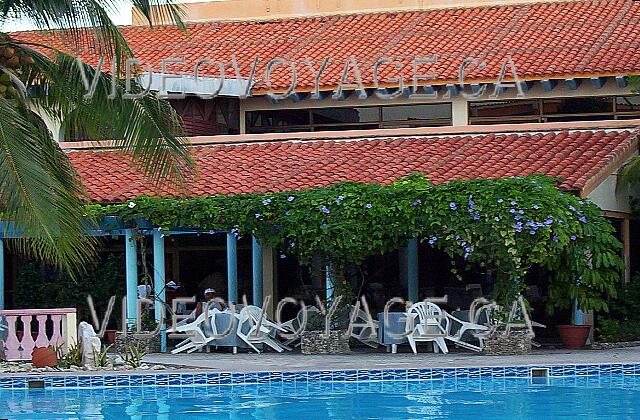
471,203
512,202
287,213
476,217
536,207
497,219
292,244
583,219
512,211
532,232
282,256
555,238
468,249
290,198
458,237
453,206
258,215
432,240
415,203
266,202
521,211
548,222
325,210
573,237
324,225
500,200
339,199
572,208
471,210
368,205
518,217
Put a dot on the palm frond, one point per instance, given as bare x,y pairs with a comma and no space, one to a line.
83,25
145,126
160,11
40,191
630,173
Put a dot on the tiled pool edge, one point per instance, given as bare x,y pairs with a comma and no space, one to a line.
236,378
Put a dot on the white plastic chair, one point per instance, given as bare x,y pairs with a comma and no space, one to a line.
251,315
293,325
196,338
426,322
367,334
464,326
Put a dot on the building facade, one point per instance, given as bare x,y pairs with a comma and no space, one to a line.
373,91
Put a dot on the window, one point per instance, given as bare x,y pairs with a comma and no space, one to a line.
416,115
348,118
554,109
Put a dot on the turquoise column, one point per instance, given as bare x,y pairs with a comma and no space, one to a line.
1,274
232,267
256,258
329,285
412,270
159,285
131,259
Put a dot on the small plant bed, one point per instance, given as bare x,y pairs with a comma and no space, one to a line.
613,345
27,367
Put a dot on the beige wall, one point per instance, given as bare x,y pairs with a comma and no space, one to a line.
275,9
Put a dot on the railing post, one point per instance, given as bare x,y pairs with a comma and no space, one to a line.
159,285
131,257
70,330
232,267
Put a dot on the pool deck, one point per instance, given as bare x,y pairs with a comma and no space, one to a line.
357,360
297,362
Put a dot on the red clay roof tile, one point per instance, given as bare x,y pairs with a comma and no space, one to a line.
576,156
545,40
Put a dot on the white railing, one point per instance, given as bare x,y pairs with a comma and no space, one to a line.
55,327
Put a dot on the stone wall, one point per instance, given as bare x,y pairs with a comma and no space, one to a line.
315,342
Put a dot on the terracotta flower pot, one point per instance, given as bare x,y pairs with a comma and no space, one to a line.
574,336
111,336
44,357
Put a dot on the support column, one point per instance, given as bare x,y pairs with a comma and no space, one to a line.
256,252
403,269
412,270
329,283
269,279
1,274
232,268
131,258
159,281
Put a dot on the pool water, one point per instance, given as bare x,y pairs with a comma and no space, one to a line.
487,398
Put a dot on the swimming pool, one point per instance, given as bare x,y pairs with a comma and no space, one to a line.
595,396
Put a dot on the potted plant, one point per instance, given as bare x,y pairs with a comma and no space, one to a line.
574,336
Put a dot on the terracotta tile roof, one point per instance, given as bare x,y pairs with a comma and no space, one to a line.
545,40
577,157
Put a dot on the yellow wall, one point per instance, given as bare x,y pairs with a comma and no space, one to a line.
274,9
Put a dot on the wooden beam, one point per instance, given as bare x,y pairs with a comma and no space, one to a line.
622,82
572,83
548,84
598,82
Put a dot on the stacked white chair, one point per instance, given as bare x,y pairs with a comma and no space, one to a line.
426,322
254,328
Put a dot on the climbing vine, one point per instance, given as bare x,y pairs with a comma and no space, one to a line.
507,224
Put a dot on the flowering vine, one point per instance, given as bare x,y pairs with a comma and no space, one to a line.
508,224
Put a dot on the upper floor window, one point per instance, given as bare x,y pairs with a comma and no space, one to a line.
554,109
348,118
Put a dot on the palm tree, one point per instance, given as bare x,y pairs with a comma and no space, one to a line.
40,191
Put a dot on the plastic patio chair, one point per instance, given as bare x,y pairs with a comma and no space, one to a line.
250,316
293,325
367,334
426,322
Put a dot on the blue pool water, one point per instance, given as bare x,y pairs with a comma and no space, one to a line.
487,398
